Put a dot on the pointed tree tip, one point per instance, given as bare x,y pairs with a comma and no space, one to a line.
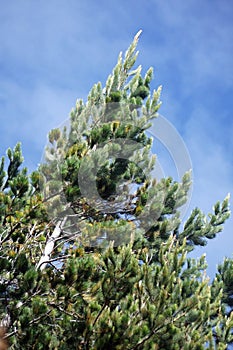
138,34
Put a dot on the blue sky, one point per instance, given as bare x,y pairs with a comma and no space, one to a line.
52,52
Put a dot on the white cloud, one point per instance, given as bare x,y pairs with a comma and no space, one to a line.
195,40
213,172
29,114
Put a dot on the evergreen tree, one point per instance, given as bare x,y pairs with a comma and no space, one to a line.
93,253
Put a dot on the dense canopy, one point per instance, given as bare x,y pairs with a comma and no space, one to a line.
93,253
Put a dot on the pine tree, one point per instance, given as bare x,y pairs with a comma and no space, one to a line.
93,251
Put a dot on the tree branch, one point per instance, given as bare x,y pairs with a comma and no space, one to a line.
45,258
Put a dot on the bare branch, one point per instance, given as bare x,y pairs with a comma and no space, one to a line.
49,246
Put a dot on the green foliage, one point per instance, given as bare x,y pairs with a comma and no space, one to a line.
225,274
78,275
